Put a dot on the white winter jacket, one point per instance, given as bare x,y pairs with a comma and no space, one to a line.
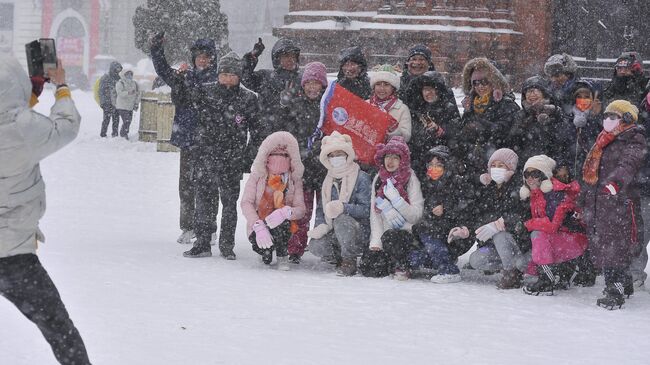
128,94
412,212
402,114
26,137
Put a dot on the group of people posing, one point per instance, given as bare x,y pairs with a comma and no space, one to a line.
551,192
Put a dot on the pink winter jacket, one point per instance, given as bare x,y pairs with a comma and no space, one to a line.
256,183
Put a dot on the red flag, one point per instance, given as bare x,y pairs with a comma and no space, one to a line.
347,113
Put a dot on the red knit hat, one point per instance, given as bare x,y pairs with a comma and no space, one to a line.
397,146
314,71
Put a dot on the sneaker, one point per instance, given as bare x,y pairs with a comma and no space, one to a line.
196,252
267,257
283,263
228,255
348,267
294,259
445,278
401,275
332,260
186,237
613,297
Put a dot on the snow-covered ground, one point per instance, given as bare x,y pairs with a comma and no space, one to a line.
111,226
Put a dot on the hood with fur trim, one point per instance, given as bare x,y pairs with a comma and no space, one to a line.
496,78
279,140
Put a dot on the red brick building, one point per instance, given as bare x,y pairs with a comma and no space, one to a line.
515,33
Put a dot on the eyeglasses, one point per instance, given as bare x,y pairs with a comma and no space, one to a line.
535,174
483,82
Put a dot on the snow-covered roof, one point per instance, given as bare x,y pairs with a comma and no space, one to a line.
359,25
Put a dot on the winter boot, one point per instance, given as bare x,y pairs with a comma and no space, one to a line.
511,279
348,267
294,258
186,237
228,254
267,256
198,251
586,273
628,287
546,282
563,273
613,297
283,263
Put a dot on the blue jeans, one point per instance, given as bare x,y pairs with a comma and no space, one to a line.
434,254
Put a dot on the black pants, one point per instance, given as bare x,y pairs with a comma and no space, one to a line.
216,179
25,283
127,117
397,245
110,113
281,235
187,188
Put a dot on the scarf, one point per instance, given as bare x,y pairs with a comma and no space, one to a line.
400,178
348,175
481,103
383,104
273,198
592,163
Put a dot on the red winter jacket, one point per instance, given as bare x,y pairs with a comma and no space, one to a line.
540,221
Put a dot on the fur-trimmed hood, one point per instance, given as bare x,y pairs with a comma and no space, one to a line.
495,76
279,140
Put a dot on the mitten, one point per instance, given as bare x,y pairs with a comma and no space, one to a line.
500,224
457,233
278,217
333,209
318,231
393,218
612,188
263,237
486,232
157,40
580,120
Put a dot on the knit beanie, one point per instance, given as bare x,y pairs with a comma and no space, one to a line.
631,60
335,142
385,73
314,71
395,146
544,164
621,107
231,64
505,155
421,50
560,63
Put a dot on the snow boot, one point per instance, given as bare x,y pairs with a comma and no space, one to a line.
294,258
267,256
586,273
348,267
563,273
613,298
228,254
198,251
283,263
546,282
511,279
186,237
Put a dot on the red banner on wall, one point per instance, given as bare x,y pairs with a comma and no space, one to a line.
70,51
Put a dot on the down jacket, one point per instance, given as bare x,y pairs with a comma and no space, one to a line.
27,137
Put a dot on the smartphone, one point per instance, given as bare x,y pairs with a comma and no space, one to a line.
41,56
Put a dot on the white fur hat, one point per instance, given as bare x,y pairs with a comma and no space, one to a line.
386,73
336,142
544,164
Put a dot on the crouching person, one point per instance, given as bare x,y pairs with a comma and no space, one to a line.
501,235
447,197
396,205
273,200
557,236
342,226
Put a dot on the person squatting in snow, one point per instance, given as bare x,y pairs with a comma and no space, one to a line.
26,138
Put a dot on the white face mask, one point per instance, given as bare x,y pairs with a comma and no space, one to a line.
338,161
609,124
498,174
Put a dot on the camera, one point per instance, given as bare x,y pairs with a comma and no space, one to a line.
41,56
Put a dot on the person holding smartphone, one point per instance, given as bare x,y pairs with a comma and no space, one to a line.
26,137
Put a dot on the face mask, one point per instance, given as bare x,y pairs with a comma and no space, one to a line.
609,124
435,172
583,104
277,165
338,161
498,175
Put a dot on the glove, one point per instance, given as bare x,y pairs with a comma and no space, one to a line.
580,120
383,204
37,84
318,231
278,217
157,40
333,209
457,233
611,189
393,218
258,48
500,224
263,237
486,232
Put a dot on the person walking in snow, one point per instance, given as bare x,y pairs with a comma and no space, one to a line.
127,101
503,242
557,236
611,199
353,72
396,205
107,98
385,84
300,116
342,226
26,138
283,80
273,201
186,117
229,114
